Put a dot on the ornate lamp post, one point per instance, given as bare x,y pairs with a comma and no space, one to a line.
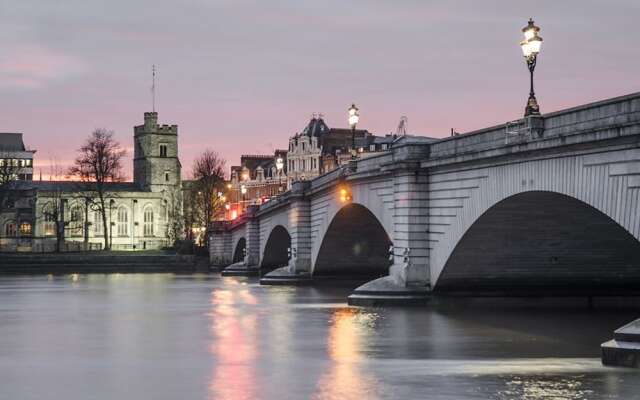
279,167
530,48
354,117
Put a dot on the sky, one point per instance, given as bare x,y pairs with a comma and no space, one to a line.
241,77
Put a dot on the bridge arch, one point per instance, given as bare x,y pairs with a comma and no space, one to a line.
355,244
276,249
547,241
240,248
535,195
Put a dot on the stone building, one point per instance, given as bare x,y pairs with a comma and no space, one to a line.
143,214
260,176
14,156
319,149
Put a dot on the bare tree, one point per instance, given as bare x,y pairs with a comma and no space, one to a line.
192,211
10,168
52,210
98,164
208,175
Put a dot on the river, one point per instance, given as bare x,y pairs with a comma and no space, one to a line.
166,336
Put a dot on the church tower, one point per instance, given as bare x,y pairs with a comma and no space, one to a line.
155,162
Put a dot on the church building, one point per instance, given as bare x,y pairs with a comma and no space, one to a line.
143,214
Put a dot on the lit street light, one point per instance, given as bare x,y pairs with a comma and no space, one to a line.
530,48
279,167
243,190
354,117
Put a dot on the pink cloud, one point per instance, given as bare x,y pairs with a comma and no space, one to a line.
32,66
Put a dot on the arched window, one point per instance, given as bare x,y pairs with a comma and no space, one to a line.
10,229
148,221
75,221
50,220
97,223
123,221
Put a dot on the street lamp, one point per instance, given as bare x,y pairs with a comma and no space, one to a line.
530,48
243,190
279,167
354,117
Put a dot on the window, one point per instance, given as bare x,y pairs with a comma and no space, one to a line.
304,165
10,229
166,176
75,221
384,146
123,221
148,221
372,147
49,221
98,227
163,150
25,228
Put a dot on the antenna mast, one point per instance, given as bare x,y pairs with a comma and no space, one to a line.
153,88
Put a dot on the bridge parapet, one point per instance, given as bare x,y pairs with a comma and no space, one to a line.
608,119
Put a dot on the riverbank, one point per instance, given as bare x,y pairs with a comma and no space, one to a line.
99,262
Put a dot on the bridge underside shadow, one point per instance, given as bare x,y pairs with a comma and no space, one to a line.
543,243
276,251
239,252
355,246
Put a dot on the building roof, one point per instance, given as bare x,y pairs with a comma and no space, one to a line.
11,142
71,186
253,162
315,127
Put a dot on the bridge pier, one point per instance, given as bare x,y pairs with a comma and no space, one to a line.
298,271
249,265
624,349
408,279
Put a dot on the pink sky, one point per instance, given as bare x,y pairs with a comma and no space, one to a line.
240,77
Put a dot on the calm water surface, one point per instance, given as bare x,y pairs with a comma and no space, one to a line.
164,336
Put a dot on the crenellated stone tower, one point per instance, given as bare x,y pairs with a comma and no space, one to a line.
155,163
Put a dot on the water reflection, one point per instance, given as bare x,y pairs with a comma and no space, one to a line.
233,345
166,336
546,388
349,331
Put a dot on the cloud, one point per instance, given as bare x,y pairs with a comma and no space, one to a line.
32,66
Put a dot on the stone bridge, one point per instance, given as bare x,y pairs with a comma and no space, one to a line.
547,203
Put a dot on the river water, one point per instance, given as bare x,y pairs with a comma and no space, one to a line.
165,336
